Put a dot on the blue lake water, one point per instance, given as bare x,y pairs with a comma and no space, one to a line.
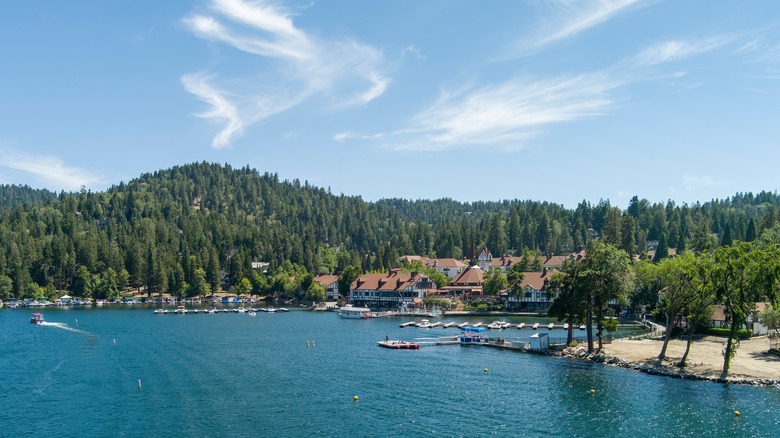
235,375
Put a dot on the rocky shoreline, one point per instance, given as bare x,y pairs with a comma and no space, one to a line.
649,367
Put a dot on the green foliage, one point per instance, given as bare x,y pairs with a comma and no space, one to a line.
725,332
316,292
610,324
771,319
434,301
493,282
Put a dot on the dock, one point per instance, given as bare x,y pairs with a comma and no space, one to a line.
496,325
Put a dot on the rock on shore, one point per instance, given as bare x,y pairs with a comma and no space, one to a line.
652,367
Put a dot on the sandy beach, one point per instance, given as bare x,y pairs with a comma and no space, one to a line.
706,356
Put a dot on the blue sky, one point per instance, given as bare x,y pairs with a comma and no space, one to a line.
559,100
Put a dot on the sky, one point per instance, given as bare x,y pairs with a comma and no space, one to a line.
548,100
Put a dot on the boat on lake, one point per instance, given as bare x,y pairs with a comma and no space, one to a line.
424,324
36,318
399,345
352,312
252,313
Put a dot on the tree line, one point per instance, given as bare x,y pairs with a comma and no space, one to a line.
198,228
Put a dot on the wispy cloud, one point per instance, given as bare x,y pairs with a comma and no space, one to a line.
567,18
412,50
695,182
339,72
349,135
674,50
505,116
221,108
51,171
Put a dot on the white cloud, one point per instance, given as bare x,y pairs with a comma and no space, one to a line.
340,72
52,171
349,135
505,116
693,182
412,50
675,50
569,18
221,107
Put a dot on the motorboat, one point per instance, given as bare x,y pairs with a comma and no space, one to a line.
36,318
352,312
424,324
252,313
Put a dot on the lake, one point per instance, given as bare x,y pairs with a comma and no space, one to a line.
236,375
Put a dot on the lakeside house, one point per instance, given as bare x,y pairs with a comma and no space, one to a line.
393,290
468,283
534,296
331,285
718,318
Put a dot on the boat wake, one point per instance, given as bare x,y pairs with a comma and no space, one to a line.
61,325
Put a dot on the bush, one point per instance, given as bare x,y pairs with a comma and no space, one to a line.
741,333
574,343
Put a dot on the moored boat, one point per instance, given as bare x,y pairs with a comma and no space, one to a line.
36,318
351,312
398,345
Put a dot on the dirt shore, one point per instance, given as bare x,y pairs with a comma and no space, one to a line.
706,356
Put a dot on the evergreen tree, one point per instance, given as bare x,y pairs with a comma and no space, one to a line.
726,240
662,251
750,235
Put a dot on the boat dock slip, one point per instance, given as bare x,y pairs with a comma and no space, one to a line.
495,325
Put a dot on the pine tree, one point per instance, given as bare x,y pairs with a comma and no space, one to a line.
726,240
750,235
662,251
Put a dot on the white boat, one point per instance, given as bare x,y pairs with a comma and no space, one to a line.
550,326
241,310
252,313
351,312
494,325
424,324
180,310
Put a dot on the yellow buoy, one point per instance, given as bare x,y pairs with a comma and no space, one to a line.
355,398
592,391
312,343
307,343
737,413
486,369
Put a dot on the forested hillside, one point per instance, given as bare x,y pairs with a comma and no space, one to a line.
176,230
11,196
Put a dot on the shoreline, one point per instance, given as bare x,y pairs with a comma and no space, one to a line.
752,365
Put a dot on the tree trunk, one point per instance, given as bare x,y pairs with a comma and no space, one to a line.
729,347
687,348
667,336
600,330
588,327
569,331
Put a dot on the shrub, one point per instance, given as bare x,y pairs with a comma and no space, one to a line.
717,331
573,343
